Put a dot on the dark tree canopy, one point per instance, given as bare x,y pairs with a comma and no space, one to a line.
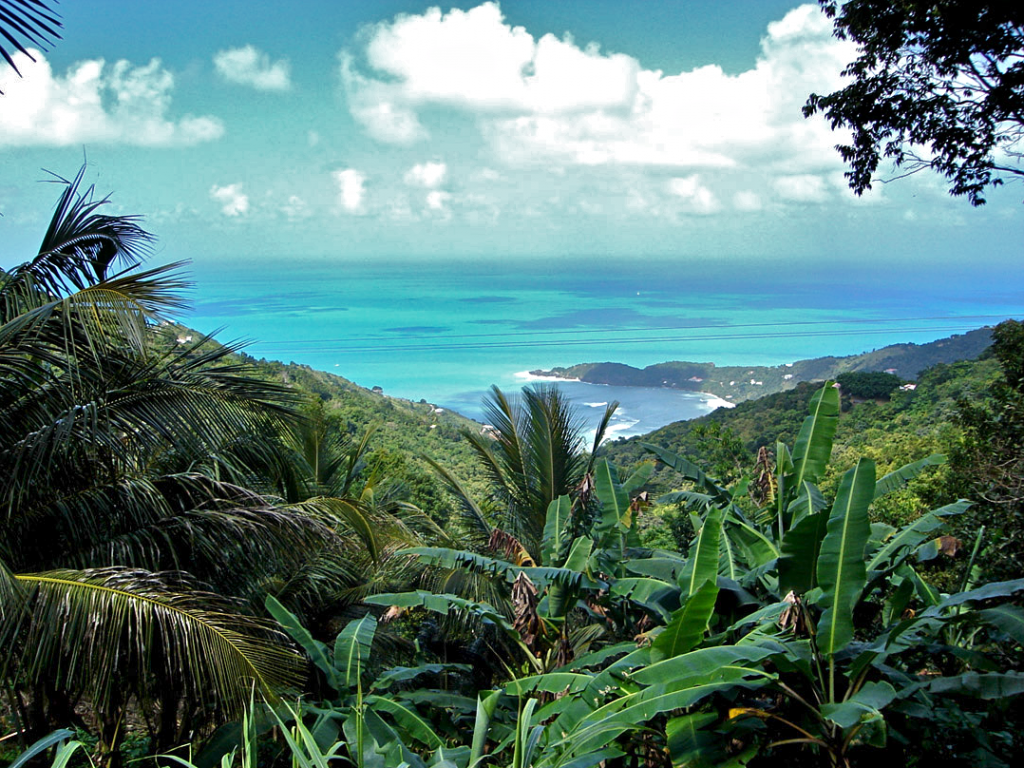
937,84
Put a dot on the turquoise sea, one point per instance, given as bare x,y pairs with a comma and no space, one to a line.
446,332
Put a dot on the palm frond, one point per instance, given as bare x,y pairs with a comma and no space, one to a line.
26,22
103,629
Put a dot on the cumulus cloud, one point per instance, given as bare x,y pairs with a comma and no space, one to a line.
697,197
94,102
427,175
252,67
550,100
351,189
233,201
803,188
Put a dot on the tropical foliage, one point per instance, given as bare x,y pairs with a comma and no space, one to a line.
198,553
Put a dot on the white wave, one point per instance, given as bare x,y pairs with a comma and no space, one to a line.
526,375
714,401
596,405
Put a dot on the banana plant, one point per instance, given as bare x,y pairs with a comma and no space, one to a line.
377,719
837,682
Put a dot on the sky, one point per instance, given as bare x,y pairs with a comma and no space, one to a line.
362,131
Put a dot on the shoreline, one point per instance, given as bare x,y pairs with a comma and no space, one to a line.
708,398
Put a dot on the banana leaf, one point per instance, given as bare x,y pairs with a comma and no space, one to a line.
702,563
841,569
687,625
555,530
352,649
898,478
813,446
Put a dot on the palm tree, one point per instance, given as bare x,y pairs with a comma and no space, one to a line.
25,22
125,570
535,453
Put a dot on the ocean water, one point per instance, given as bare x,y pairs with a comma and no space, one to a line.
446,332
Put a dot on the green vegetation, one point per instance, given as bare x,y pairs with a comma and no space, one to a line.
746,382
217,560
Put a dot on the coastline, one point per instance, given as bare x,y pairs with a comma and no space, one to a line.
708,398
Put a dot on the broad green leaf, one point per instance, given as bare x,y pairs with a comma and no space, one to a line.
800,548
639,477
316,650
563,592
691,472
841,570
541,576
403,674
813,446
352,648
687,626
914,534
443,604
702,563
41,746
408,719
701,666
1008,619
988,686
662,568
900,477
579,555
687,742
613,497
864,705
486,703
552,682
808,501
646,592
555,530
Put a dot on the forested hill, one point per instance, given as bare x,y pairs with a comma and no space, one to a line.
405,430
906,426
739,383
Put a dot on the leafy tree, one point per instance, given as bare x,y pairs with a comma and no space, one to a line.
534,455
868,384
105,504
987,462
937,84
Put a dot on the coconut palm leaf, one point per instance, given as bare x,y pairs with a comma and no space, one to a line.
104,629
26,22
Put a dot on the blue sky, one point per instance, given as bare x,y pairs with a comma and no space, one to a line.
370,130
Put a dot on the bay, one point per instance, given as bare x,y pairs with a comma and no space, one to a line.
447,331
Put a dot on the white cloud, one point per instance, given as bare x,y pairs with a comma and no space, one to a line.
698,198
233,201
803,188
296,208
427,175
747,201
95,103
351,189
250,66
550,101
437,200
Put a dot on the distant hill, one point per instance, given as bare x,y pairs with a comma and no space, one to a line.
907,427
740,383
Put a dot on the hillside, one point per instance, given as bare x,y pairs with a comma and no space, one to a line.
406,430
910,425
741,383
